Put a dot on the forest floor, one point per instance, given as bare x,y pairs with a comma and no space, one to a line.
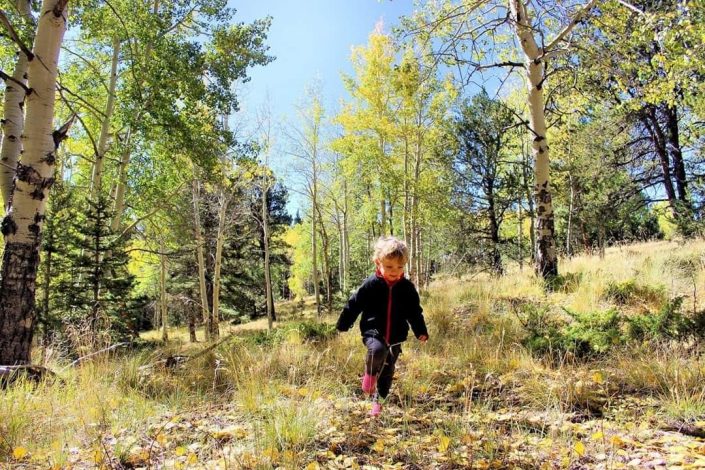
476,396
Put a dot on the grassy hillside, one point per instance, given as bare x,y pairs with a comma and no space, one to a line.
601,369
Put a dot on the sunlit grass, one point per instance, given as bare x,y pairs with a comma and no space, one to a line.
475,363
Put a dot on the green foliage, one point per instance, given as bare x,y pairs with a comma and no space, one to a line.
308,331
629,292
98,295
591,334
566,283
667,323
487,181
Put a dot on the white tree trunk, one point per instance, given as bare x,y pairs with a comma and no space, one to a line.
13,121
546,260
121,187
97,177
196,194
314,241
215,314
162,293
22,226
267,267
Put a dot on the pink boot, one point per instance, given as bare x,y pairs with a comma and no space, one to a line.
369,383
376,409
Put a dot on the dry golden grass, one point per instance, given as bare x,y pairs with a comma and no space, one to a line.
474,366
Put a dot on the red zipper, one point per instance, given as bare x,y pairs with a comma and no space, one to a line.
389,315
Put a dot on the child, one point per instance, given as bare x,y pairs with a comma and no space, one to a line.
389,304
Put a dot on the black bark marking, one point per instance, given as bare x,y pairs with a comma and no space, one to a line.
27,174
37,193
8,226
49,158
34,229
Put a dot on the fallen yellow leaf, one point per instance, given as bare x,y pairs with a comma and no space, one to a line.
378,446
597,436
443,443
192,459
179,451
18,453
579,448
616,441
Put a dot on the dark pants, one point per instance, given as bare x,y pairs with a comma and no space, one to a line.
380,362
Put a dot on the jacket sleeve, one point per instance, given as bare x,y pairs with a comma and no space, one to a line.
415,318
352,309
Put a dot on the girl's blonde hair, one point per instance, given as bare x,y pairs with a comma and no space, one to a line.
390,247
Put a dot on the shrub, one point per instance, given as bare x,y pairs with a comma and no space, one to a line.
566,283
592,333
668,323
630,293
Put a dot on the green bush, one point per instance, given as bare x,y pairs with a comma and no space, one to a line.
566,283
544,331
629,292
307,330
592,333
668,323
596,333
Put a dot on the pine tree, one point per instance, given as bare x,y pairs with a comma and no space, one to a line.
97,294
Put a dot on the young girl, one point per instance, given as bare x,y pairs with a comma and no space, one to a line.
389,304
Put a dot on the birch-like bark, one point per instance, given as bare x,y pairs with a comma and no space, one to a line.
121,187
215,314
267,267
569,228
314,240
13,120
546,261
196,195
529,200
162,293
22,225
346,238
97,177
520,240
326,260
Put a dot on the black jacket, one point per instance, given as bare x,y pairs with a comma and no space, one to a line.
378,319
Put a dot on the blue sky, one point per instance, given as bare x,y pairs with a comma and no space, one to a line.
311,40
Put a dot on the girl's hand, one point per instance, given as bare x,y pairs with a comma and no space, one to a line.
423,338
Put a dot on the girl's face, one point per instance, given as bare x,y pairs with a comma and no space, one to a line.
391,269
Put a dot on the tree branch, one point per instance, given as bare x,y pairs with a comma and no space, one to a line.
631,7
569,27
7,77
14,36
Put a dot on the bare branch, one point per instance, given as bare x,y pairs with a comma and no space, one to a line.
62,88
7,77
14,36
569,27
85,127
631,7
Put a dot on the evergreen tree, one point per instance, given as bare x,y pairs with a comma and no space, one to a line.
97,295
